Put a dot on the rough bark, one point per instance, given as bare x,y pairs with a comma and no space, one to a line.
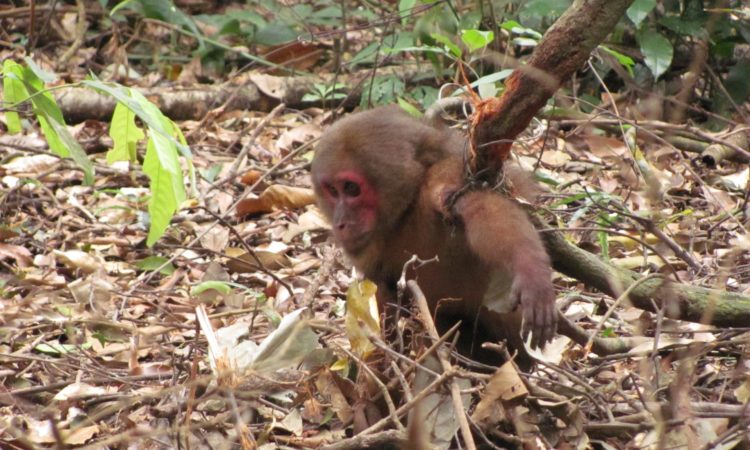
679,301
564,49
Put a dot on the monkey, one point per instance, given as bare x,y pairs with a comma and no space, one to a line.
382,178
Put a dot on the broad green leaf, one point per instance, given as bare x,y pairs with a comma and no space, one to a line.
152,263
657,51
639,10
492,78
14,92
517,28
624,60
165,11
125,135
544,8
219,286
404,10
161,162
449,45
162,166
686,27
53,127
144,109
43,75
409,108
476,39
55,348
275,34
510,25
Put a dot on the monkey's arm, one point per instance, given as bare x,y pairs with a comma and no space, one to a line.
502,236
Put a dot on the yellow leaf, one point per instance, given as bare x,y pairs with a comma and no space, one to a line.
362,317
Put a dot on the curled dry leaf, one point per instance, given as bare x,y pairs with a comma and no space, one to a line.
505,387
271,256
77,259
274,198
20,254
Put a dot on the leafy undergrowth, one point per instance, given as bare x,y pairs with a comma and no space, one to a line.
232,331
104,341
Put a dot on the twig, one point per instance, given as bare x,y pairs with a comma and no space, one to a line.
458,405
382,423
383,389
248,145
617,302
81,27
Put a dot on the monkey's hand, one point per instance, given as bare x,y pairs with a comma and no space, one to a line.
536,295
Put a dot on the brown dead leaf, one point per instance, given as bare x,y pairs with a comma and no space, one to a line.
81,435
77,259
215,239
271,257
20,254
606,147
30,165
505,387
296,54
250,177
274,198
297,136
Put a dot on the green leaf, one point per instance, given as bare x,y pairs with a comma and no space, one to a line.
409,108
43,75
449,45
686,27
639,10
219,286
162,166
492,78
144,109
275,34
476,39
14,92
516,28
152,263
545,8
51,121
624,60
125,135
404,9
55,348
657,51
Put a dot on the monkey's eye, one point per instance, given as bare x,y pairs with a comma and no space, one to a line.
332,190
351,189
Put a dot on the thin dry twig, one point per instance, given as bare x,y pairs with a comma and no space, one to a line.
458,405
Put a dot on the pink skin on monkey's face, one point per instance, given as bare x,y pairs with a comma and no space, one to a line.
353,203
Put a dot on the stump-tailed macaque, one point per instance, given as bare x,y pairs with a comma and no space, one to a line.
382,178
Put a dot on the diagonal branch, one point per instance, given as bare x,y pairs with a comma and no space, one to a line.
565,48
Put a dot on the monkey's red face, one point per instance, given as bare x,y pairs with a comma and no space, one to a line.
351,203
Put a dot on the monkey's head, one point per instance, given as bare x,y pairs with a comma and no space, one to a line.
368,170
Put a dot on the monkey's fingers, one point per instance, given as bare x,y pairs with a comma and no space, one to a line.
540,317
537,300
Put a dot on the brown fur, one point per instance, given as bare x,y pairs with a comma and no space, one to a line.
413,167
